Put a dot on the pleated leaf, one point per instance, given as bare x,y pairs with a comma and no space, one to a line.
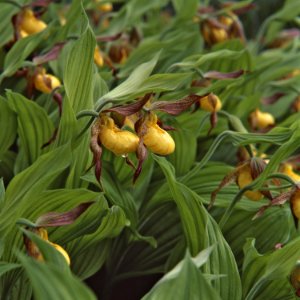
201,231
188,282
34,129
50,282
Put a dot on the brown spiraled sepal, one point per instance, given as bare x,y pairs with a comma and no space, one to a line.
96,149
227,180
176,107
50,55
132,108
220,75
53,219
142,154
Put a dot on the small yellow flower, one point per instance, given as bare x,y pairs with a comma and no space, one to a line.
296,104
211,103
45,83
287,169
156,139
295,203
104,7
261,120
244,178
63,252
29,24
120,142
98,58
213,35
34,251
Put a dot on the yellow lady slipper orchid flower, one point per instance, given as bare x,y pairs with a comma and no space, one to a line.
63,252
244,178
45,83
34,251
296,104
98,58
156,139
211,103
104,7
261,120
213,35
118,141
287,169
295,203
29,24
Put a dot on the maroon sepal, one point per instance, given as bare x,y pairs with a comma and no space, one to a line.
279,200
51,55
213,121
41,3
227,180
174,108
130,109
108,38
272,99
257,166
206,10
51,140
289,33
219,75
57,97
215,23
129,162
53,219
201,83
241,10
96,148
142,153
294,161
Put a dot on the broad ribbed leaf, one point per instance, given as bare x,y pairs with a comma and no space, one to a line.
6,267
78,75
201,231
34,129
50,282
185,281
134,82
20,51
269,271
8,121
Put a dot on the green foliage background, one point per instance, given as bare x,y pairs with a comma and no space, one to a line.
158,231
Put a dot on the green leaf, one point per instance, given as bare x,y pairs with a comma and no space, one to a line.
34,129
185,281
198,60
20,51
8,121
6,26
163,83
78,79
50,282
31,182
269,271
6,267
201,231
49,253
185,9
133,82
2,193
185,153
78,74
